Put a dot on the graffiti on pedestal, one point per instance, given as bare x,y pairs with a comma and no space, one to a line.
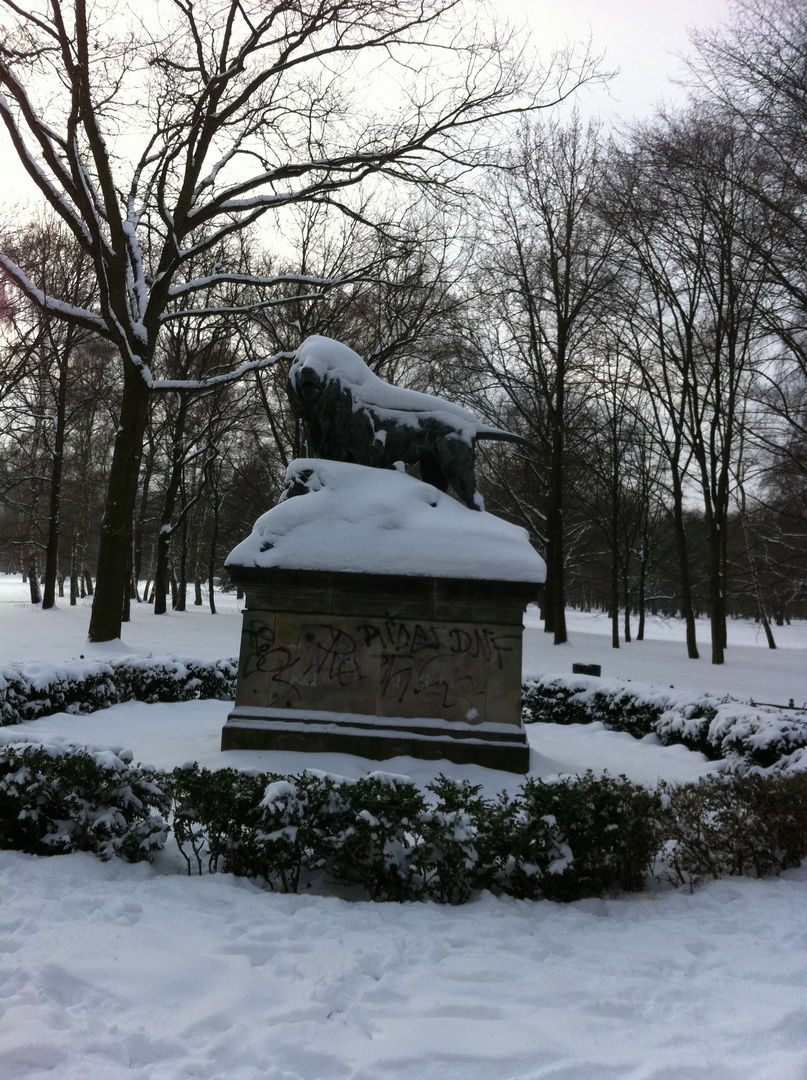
391,660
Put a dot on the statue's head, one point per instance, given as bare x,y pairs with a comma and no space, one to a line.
308,383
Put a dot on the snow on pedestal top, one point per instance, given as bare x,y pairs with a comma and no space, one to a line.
360,520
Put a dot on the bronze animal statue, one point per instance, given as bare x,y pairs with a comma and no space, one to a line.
352,415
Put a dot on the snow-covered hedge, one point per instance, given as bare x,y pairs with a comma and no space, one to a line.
58,798
566,839
580,836
746,736
30,690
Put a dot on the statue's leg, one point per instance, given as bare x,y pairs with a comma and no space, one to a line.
456,460
432,473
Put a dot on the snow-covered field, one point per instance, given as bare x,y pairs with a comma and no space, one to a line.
110,971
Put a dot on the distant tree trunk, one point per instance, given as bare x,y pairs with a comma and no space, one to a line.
33,581
614,579
752,562
211,565
74,574
169,503
685,582
717,600
57,468
140,523
181,597
555,588
126,610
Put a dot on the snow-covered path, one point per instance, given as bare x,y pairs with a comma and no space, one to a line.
114,972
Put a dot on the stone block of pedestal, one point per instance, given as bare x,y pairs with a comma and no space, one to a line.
342,654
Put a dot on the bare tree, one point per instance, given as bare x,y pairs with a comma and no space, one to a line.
243,108
47,251
546,260
754,70
682,198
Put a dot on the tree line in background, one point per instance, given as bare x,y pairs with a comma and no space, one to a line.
633,305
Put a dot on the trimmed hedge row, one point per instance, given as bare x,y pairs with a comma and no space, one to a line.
565,840
28,691
746,736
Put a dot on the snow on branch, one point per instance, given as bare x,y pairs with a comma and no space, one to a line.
253,279
238,309
44,136
60,308
215,381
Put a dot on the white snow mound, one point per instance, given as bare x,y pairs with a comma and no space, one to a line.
357,519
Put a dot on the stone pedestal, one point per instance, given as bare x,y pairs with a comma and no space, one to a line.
380,666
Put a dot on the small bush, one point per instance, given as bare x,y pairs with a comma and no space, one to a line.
173,679
584,836
735,825
28,691
465,841
60,799
216,815
373,837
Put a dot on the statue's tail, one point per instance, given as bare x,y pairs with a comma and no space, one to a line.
497,435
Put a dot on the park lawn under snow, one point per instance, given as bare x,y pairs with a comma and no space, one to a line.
112,971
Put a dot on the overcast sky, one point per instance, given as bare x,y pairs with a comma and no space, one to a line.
640,37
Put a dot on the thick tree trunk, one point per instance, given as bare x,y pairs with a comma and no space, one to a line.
112,576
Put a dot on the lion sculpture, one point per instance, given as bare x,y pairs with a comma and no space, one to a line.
352,415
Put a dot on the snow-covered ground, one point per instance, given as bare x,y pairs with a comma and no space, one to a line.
110,971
